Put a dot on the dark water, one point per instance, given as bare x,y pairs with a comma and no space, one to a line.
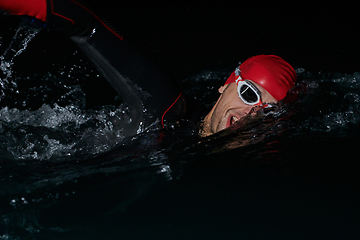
66,171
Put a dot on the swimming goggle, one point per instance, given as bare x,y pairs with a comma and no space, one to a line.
247,91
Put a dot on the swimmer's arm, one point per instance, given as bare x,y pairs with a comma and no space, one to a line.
141,84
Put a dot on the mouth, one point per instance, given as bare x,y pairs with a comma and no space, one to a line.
232,120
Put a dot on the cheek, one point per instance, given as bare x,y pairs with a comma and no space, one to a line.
218,115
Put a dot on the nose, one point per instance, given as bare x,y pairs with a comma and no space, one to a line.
243,111
247,109
244,108
253,110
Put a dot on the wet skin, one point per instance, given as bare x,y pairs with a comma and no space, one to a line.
229,108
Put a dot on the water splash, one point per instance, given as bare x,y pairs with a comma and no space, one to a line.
19,43
60,131
43,115
47,151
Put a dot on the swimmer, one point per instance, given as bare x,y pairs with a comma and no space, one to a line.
149,93
259,81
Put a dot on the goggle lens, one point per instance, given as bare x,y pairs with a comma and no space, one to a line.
248,94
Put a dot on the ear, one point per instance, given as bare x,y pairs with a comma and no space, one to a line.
221,89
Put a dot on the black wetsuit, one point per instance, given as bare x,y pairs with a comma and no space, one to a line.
123,66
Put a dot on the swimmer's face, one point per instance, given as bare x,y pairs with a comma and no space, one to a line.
229,108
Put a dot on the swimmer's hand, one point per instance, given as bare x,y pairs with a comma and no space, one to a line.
32,8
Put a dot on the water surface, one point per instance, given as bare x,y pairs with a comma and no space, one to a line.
67,172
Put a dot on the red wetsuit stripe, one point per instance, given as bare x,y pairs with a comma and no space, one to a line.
162,118
86,9
106,26
59,15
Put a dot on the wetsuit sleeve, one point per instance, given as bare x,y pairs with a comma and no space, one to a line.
149,92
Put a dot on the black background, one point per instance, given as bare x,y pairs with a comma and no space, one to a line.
217,199
200,34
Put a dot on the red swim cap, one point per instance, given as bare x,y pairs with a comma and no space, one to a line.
269,71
